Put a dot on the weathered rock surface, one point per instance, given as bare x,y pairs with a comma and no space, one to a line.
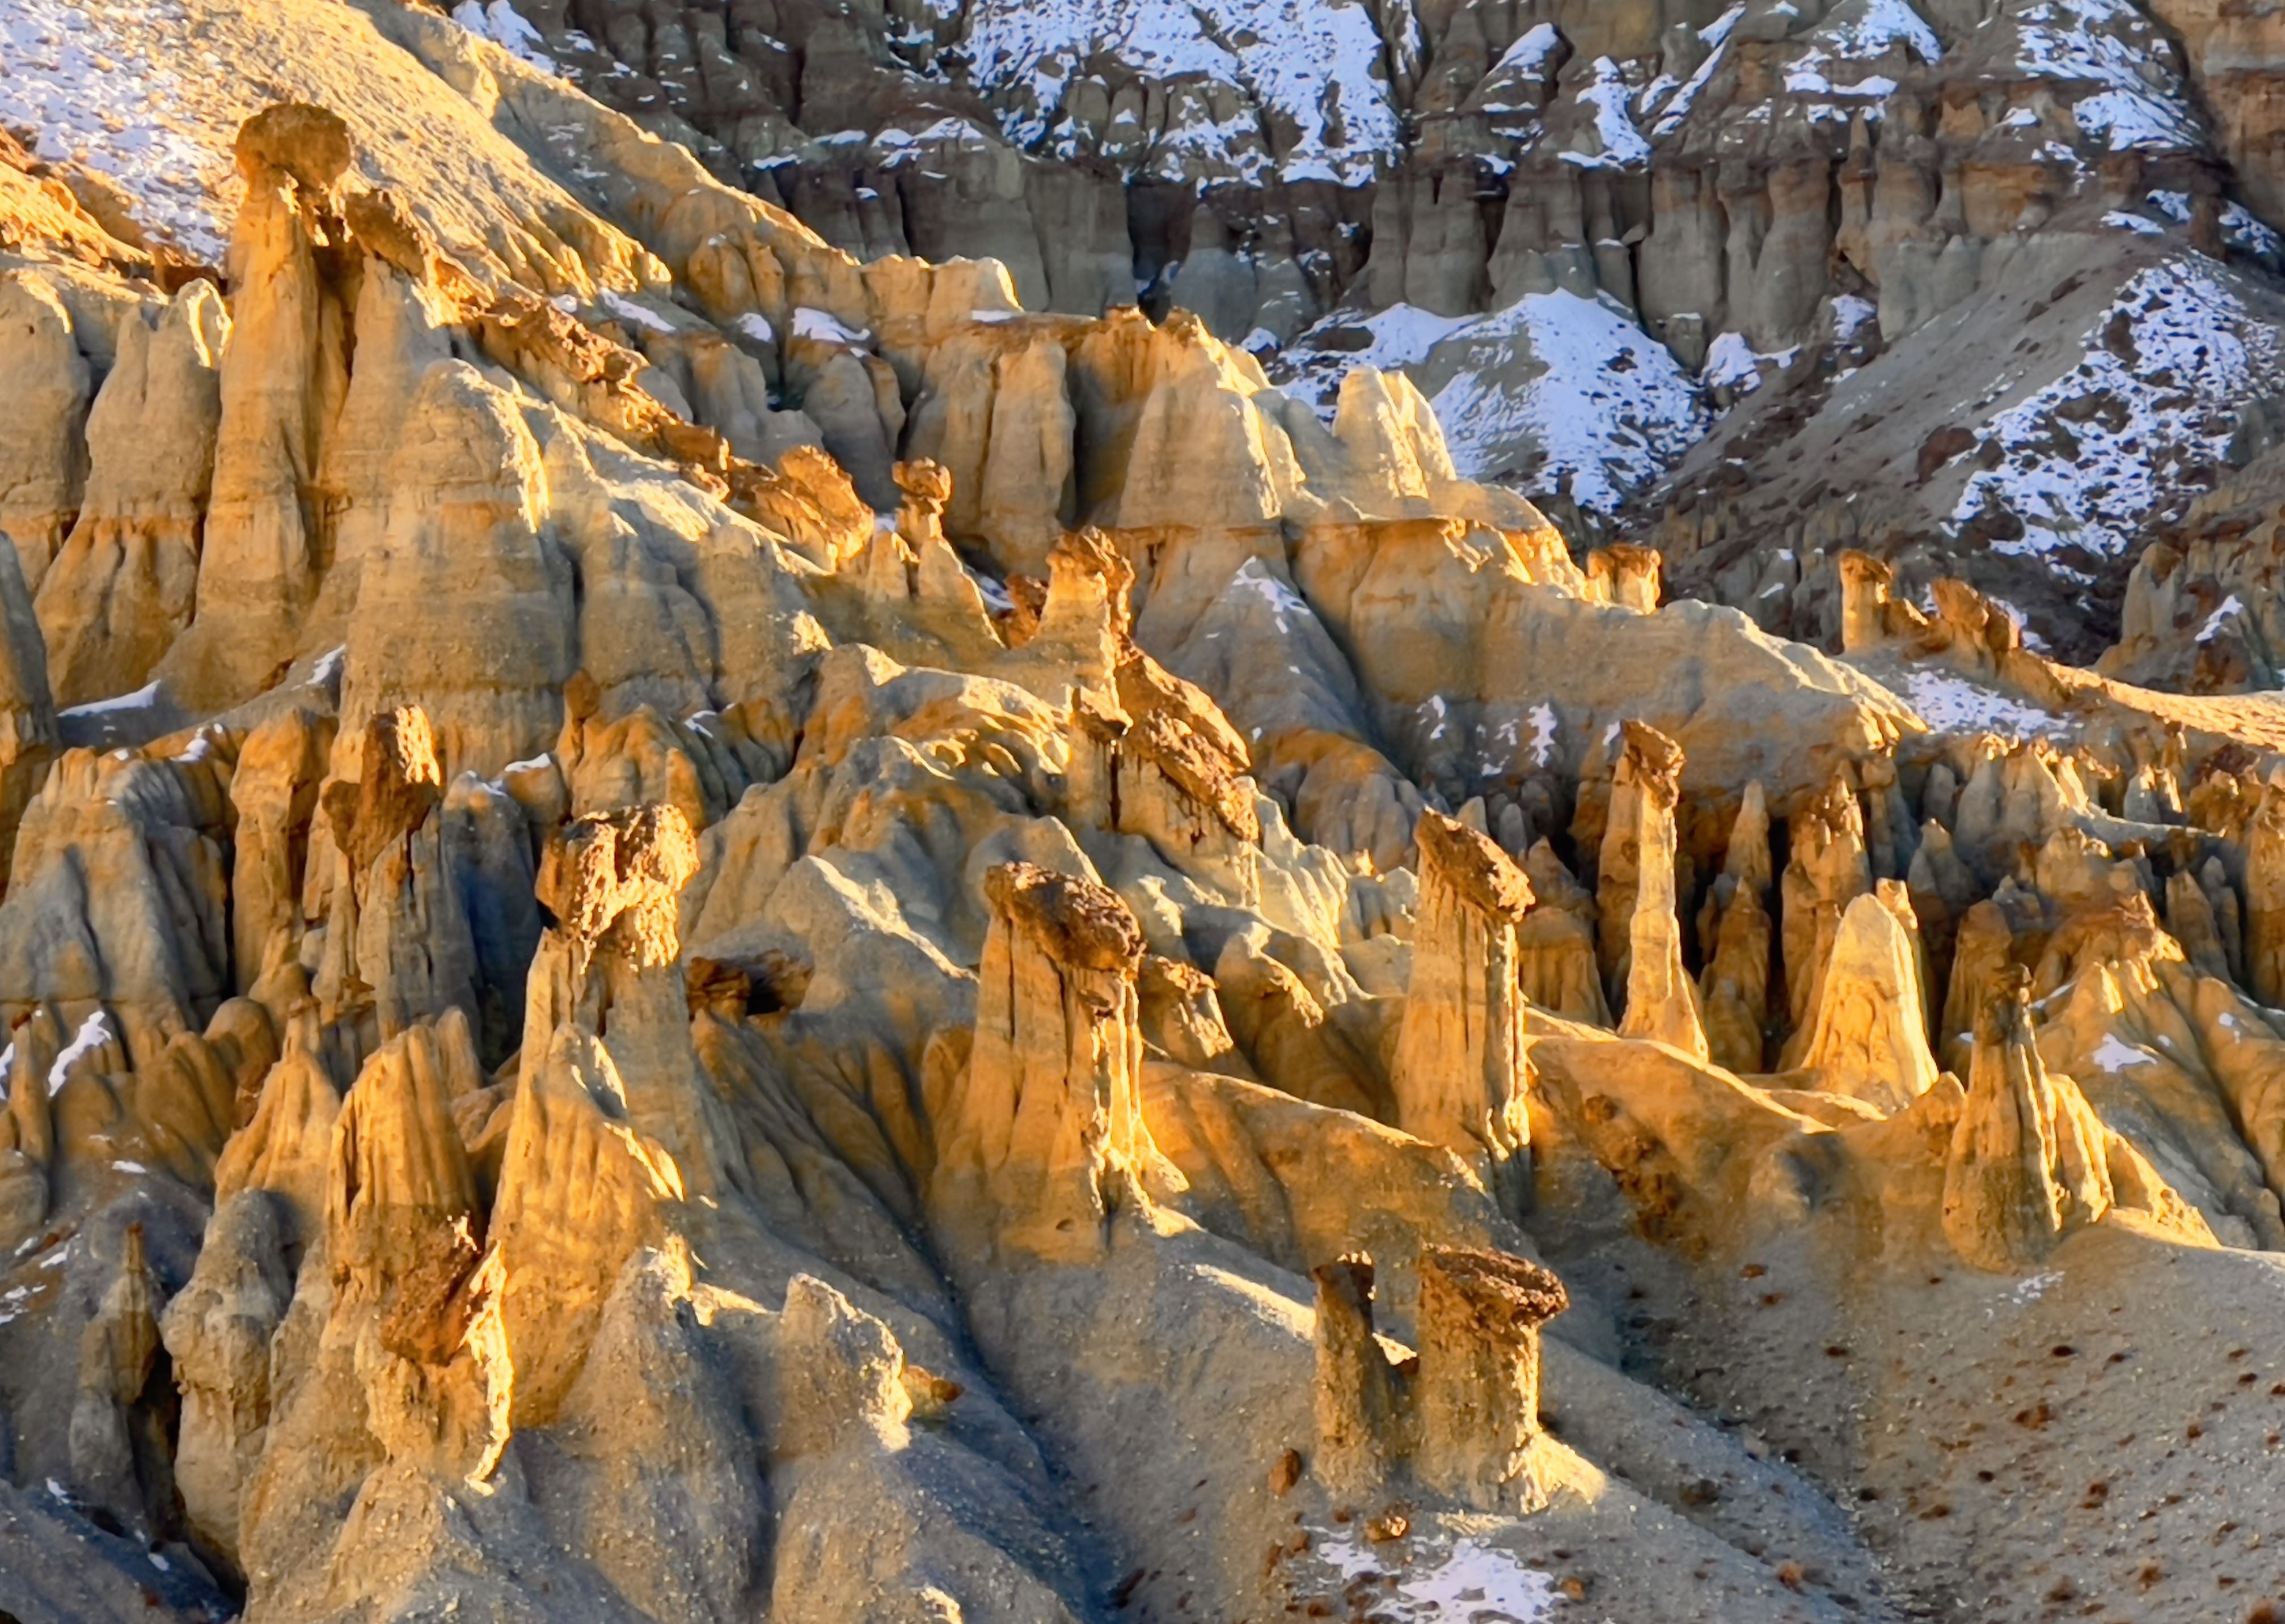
707,920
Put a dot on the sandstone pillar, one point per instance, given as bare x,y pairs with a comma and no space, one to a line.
1461,1068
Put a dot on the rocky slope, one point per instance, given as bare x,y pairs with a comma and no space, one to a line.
706,920
1587,231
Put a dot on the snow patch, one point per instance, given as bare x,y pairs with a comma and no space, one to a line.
2114,1054
825,327
995,596
93,1033
1620,141
1731,361
1282,599
1951,704
627,310
2214,622
1543,726
1530,55
2083,459
94,83
141,699
506,27
1472,1580
2024,1294
1851,315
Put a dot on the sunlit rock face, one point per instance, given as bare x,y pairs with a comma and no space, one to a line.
931,816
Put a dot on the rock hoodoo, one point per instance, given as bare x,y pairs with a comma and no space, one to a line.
757,764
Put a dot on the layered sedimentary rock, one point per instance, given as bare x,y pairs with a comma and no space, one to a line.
720,919
1662,1001
1044,1140
1462,1066
1460,1416
2027,1162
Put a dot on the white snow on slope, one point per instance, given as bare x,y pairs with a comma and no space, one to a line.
1874,27
1317,63
91,81
2114,1054
1284,601
93,1033
506,27
1951,704
1860,34
1529,54
2139,98
2196,350
1555,389
1610,409
1470,1581
1620,141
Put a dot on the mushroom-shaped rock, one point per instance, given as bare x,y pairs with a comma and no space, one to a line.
1662,999
1476,1399
613,881
1461,1418
2265,899
398,944
262,550
1045,1138
1461,1069
218,1332
273,790
309,144
1624,575
117,1350
1870,614
1829,869
611,969
1360,1427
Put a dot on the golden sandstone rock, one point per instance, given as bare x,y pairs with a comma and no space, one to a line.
1460,1417
1462,1066
1045,1140
2028,1160
718,928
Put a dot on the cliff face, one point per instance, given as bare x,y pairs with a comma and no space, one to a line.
1658,264
726,897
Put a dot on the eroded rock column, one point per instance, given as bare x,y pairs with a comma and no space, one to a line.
1462,1068
1868,1037
1045,1139
1460,1420
2027,1163
1662,999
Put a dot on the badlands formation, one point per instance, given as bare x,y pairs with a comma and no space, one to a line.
708,920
